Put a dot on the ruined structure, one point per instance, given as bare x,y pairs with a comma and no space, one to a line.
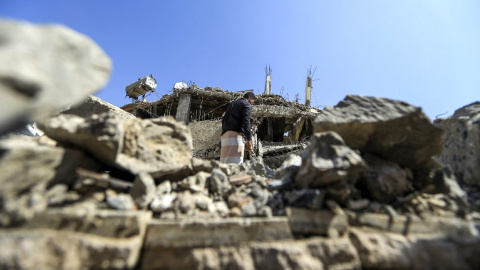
282,126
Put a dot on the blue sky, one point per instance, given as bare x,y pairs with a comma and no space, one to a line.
424,52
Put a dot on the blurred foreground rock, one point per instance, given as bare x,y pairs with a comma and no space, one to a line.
45,68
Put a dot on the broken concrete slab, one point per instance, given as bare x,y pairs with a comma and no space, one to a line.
32,89
214,232
94,105
157,146
391,129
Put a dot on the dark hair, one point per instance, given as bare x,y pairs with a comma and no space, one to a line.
249,95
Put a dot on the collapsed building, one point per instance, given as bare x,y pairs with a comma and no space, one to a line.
281,126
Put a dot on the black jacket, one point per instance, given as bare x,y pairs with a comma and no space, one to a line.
237,118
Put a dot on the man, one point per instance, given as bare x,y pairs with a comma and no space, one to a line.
236,129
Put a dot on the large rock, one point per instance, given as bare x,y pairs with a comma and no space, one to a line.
66,240
462,143
28,168
94,105
50,67
157,146
327,160
391,129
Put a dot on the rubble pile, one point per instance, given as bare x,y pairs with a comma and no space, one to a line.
371,188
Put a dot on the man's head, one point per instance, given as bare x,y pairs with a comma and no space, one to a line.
250,97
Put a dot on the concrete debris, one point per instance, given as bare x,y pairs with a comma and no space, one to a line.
349,187
461,147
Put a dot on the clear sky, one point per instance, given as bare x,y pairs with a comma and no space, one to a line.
424,52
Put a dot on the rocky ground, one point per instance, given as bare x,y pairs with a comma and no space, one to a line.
379,186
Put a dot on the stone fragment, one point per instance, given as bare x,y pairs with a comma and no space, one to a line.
391,129
158,146
27,169
385,180
289,167
306,198
328,160
444,181
461,147
240,179
195,183
185,202
162,203
164,188
55,67
121,201
218,183
202,201
143,190
94,105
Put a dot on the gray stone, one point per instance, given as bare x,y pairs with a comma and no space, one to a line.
322,222
218,183
444,181
391,129
384,180
195,183
328,160
28,168
94,105
185,202
306,198
143,190
55,67
121,202
461,147
289,167
164,188
163,203
158,146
